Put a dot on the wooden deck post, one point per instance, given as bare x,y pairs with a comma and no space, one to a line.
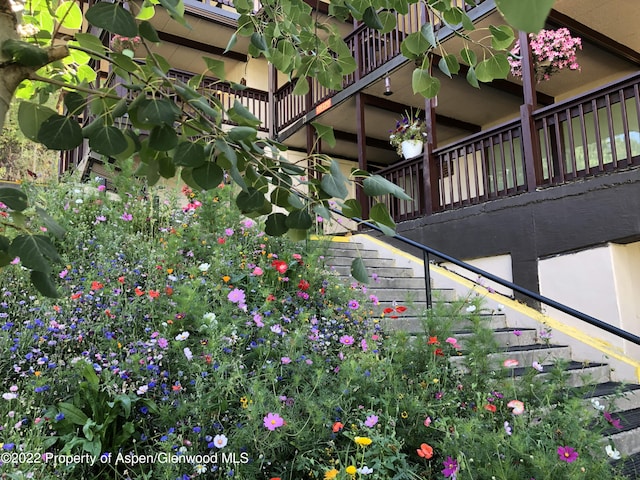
362,152
530,138
430,190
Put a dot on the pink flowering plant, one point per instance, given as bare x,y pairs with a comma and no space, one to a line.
121,43
187,335
552,51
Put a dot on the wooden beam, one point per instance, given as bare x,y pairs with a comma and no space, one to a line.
370,141
203,47
588,34
399,108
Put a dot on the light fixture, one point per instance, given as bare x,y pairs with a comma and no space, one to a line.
387,86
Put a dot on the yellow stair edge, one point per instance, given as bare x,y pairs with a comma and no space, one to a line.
597,343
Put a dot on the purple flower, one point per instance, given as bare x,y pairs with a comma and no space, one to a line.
517,333
507,428
613,421
353,304
228,232
567,454
127,217
450,467
371,421
162,342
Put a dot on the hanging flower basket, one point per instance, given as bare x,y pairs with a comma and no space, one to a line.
551,51
411,148
410,128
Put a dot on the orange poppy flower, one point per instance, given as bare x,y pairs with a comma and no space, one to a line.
425,451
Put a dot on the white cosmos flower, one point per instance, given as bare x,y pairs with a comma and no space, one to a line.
182,336
612,452
204,267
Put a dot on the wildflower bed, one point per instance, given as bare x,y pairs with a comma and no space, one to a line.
187,343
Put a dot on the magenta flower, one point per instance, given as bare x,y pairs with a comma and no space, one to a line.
347,340
567,454
353,304
371,421
273,421
127,217
162,342
613,421
450,467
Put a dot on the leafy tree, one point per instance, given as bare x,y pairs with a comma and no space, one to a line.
45,51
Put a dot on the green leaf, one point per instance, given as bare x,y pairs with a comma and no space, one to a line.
52,226
215,66
208,176
469,56
325,132
166,167
424,83
449,65
73,413
74,103
333,186
108,141
159,112
24,53
416,43
453,16
493,67
276,224
163,138
14,198
35,252
352,208
59,132
428,34
242,115
250,201
30,118
526,15
359,270
148,32
302,86
502,37
70,15
299,220
258,41
294,201
242,134
388,21
472,79
377,185
147,12
44,284
189,154
371,19
113,18
176,10
322,211
89,42
380,215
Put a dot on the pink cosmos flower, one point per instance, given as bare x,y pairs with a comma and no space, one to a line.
347,340
567,454
273,421
517,405
510,362
236,296
371,421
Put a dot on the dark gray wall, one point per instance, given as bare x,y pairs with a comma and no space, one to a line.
534,225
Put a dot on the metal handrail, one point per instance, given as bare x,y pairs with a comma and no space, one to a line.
619,332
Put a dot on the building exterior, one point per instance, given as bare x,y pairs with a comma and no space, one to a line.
535,182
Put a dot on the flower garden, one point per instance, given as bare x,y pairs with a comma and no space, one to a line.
186,343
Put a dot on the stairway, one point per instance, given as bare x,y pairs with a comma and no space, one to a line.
394,285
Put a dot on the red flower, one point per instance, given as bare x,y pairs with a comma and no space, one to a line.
154,293
337,427
387,310
270,297
490,408
76,296
303,285
221,240
439,352
168,291
280,266
96,285
139,291
401,309
433,341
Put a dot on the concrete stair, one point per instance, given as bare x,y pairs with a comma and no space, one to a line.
395,285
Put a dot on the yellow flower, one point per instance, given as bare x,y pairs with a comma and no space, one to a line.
363,441
351,470
404,414
331,474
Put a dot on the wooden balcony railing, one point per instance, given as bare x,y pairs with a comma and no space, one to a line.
371,50
590,135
